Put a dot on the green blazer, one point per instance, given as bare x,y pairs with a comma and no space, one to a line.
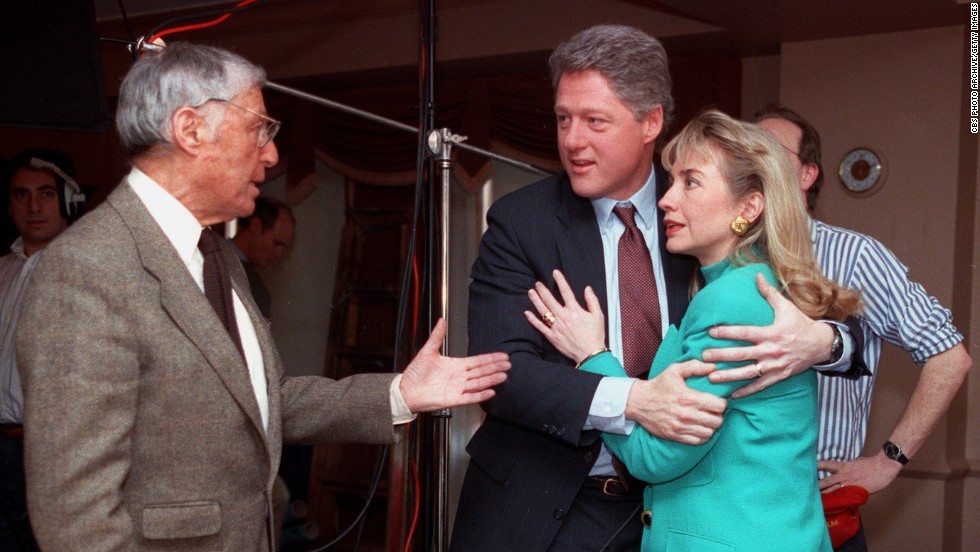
753,486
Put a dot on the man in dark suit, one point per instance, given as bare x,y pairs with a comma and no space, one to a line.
154,421
539,479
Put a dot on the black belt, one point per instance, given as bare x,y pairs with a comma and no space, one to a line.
612,485
12,431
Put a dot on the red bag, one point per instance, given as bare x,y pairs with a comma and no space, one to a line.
840,507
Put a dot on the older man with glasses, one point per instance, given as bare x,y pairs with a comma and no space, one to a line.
156,403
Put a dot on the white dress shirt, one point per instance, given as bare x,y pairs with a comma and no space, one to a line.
184,231
607,412
15,272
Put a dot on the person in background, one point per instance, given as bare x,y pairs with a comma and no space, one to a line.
35,195
262,239
896,310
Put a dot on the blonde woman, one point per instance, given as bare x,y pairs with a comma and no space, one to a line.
733,204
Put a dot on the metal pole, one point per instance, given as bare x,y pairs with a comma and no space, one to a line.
439,144
397,124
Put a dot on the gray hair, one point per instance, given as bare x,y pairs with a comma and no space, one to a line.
176,76
633,62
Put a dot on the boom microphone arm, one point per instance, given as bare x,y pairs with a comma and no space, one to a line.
457,140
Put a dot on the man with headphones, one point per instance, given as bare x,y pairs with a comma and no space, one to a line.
43,199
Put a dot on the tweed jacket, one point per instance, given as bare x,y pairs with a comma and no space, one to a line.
142,427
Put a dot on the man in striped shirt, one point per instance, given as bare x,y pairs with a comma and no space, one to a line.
896,310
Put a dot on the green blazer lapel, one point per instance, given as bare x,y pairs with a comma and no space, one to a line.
183,300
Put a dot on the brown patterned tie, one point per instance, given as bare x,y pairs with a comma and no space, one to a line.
217,284
639,307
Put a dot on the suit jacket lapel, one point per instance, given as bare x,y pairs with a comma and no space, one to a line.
184,302
270,355
580,249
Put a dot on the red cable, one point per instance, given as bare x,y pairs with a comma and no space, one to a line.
415,512
219,19
416,285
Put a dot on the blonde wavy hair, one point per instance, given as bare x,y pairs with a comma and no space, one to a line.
750,159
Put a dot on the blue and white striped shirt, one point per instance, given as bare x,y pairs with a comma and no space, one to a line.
895,310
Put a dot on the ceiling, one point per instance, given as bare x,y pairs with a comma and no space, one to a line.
750,27
760,26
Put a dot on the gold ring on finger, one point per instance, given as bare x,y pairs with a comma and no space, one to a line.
549,319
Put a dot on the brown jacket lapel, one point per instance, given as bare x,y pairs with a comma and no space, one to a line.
185,303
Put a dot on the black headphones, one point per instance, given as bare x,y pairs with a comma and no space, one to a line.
71,199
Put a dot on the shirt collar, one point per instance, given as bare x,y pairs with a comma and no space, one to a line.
17,248
645,201
177,223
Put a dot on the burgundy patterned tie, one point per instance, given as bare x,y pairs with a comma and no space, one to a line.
639,307
217,284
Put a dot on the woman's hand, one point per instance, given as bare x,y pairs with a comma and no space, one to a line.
574,331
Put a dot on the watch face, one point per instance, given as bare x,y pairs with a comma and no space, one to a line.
892,450
860,170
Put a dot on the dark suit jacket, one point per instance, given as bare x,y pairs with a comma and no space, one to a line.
142,427
531,456
260,293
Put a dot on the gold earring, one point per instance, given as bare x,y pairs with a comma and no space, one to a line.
740,225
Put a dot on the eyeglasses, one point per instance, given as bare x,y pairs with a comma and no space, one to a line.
271,125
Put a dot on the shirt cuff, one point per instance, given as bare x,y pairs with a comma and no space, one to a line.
400,413
608,410
843,363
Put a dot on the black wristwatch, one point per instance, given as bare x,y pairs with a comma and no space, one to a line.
894,452
837,349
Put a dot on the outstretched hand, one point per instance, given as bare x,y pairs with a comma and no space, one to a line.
575,331
434,382
790,345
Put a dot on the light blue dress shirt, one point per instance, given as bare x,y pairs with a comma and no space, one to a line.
609,403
